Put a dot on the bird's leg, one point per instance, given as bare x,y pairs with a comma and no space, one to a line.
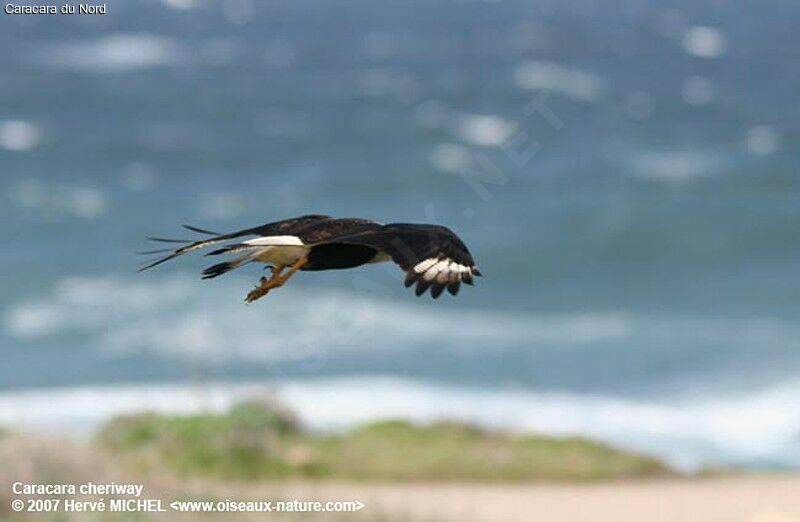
281,279
277,280
265,285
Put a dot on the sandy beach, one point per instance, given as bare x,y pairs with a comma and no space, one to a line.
728,498
725,499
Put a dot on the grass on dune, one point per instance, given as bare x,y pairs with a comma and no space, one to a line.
259,441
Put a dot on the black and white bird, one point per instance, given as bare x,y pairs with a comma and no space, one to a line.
431,255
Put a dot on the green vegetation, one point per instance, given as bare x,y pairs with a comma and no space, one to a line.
247,442
259,441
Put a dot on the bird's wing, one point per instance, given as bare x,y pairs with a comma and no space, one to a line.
431,255
286,227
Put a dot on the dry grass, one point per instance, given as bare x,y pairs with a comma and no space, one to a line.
258,451
722,499
255,441
51,460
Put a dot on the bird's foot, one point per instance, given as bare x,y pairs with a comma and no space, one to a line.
264,286
277,280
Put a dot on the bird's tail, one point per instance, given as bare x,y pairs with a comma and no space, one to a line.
222,268
188,244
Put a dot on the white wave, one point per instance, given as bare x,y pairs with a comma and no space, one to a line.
221,205
180,5
704,42
483,129
550,76
53,200
19,135
182,316
86,303
677,167
117,52
734,429
449,157
762,140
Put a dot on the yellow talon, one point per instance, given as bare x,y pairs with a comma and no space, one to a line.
277,280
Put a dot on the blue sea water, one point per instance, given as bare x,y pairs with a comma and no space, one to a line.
625,174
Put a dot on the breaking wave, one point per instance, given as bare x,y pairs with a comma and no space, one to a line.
117,52
176,315
759,428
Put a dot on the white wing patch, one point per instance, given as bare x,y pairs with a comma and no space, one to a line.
443,270
444,274
275,241
425,265
433,271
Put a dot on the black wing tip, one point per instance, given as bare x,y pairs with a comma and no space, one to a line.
217,270
151,252
437,288
200,230
422,286
168,240
157,262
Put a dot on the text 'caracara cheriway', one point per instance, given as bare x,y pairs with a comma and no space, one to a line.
431,255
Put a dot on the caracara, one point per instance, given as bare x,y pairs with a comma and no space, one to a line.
431,255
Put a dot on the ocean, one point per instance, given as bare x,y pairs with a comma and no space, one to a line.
624,174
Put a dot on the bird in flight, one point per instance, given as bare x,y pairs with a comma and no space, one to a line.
432,256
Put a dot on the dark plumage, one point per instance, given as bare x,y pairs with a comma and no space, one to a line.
431,255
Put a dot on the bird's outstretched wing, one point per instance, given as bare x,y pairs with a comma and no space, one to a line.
278,228
431,255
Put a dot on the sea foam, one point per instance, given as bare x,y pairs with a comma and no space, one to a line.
176,315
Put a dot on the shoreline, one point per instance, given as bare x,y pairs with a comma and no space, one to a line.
733,497
720,431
